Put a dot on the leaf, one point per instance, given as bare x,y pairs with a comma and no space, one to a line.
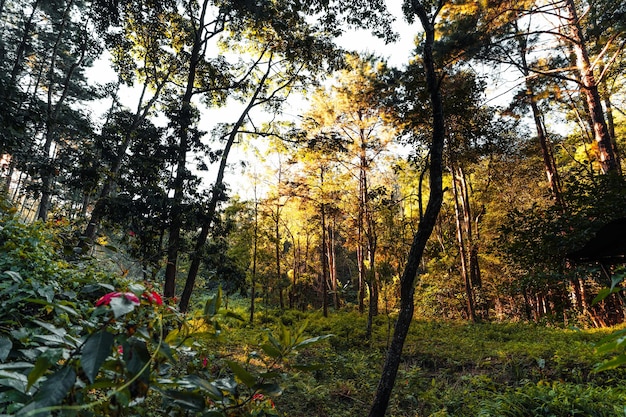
41,366
51,328
611,364
234,316
95,351
188,400
246,377
121,306
603,293
5,348
212,305
312,340
15,276
210,389
52,391
136,356
226,384
111,248
269,389
271,351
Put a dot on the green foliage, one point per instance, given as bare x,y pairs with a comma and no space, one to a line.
65,351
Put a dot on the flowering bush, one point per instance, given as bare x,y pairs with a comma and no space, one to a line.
75,341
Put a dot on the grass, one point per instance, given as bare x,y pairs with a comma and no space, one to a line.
448,368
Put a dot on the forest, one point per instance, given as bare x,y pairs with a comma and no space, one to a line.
212,208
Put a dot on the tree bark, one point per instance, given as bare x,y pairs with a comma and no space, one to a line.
589,87
407,281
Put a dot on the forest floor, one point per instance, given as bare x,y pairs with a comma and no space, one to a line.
448,368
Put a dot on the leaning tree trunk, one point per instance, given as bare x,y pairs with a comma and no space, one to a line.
546,149
589,86
217,196
407,281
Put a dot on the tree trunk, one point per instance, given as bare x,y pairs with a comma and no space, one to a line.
184,124
465,273
217,196
546,149
109,184
606,154
407,281
324,258
52,114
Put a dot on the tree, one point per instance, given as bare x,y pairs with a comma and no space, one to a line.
351,113
427,15
142,31
72,49
286,60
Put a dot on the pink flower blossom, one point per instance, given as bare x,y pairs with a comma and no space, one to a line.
205,362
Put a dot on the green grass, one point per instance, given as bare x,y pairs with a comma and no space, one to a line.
448,369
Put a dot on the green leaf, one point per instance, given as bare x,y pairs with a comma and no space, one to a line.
268,389
5,348
227,384
51,328
187,400
111,248
95,351
234,316
244,376
121,306
312,340
213,304
611,364
15,276
603,293
41,366
271,351
52,391
210,389
137,288
136,356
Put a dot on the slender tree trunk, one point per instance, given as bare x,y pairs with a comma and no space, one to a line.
255,247
52,114
589,87
324,257
407,281
216,196
332,255
110,182
184,124
277,253
469,294
546,149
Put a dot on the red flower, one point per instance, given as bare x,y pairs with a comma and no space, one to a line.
258,397
153,297
106,298
205,362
